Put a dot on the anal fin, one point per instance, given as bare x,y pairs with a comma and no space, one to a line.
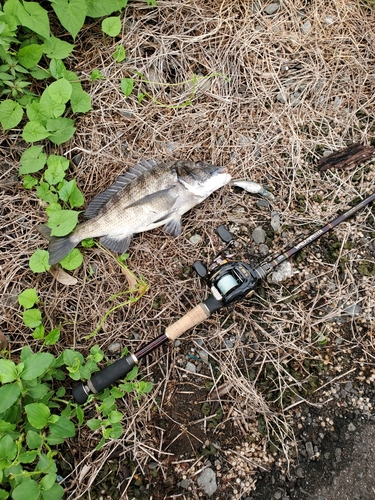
118,244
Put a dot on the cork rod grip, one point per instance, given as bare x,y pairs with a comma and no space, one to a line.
194,317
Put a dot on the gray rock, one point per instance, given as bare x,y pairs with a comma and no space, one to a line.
272,8
352,309
310,450
351,427
190,367
283,272
259,235
275,221
185,483
263,204
277,495
207,481
281,97
114,348
204,356
306,27
264,250
195,239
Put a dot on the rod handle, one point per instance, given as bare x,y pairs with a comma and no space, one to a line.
197,315
104,378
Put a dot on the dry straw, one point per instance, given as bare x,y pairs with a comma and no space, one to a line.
272,93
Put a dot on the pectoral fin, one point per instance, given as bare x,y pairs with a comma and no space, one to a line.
173,227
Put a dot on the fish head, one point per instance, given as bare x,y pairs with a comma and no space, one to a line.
202,179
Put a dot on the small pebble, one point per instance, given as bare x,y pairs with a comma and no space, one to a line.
264,250
263,204
259,235
272,8
195,239
114,348
275,221
309,449
190,367
351,427
207,481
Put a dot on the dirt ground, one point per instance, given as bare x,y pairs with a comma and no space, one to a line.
272,398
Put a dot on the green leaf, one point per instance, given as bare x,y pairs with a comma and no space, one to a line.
48,481
57,165
70,193
98,8
80,100
28,298
119,54
94,424
39,73
73,260
54,207
49,107
3,494
27,457
127,85
26,352
8,395
27,489
37,112
11,114
33,440
45,192
37,414
34,17
132,374
57,68
8,448
29,181
96,75
111,26
38,391
62,222
38,333
71,14
34,131
37,365
32,160
115,416
6,426
80,415
39,261
61,129
56,48
53,337
60,91
54,493
7,371
32,317
61,430
30,55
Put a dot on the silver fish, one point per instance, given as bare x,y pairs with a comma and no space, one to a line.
252,187
149,195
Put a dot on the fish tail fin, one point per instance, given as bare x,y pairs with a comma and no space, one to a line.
59,247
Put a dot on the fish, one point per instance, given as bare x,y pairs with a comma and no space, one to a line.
253,187
149,195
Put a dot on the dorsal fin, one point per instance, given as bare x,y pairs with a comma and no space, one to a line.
101,199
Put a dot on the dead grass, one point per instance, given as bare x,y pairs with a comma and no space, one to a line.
271,96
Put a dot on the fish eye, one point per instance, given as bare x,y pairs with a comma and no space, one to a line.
200,164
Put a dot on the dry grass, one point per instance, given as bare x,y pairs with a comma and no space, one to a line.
248,62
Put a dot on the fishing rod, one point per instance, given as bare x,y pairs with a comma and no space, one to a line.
229,282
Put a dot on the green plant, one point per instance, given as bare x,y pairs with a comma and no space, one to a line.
35,417
30,53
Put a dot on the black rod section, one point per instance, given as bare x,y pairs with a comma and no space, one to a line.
265,269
